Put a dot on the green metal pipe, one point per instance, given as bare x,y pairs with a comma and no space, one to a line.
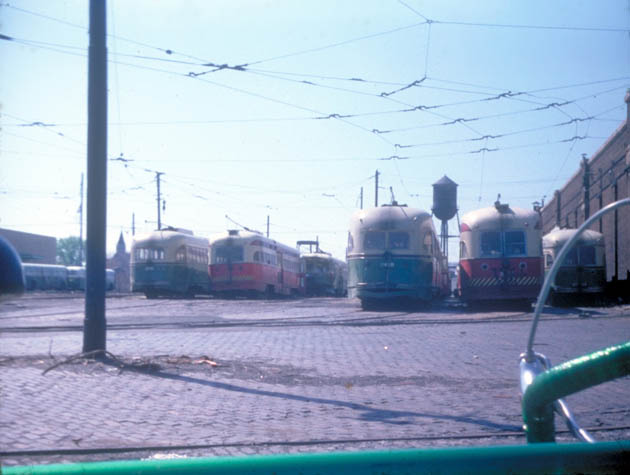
603,457
568,378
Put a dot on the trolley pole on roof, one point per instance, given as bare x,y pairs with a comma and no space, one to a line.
94,328
376,189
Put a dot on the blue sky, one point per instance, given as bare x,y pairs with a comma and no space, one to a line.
503,97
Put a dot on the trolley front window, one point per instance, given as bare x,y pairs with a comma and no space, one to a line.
317,265
514,243
398,240
491,243
571,258
587,255
374,240
225,254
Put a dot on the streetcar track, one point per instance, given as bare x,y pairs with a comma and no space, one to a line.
285,443
271,324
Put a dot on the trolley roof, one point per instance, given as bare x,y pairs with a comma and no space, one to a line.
499,215
168,236
321,255
557,237
246,237
388,217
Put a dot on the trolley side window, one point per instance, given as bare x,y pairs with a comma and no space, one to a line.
149,254
490,243
515,243
398,240
587,255
374,240
428,242
463,254
548,260
350,242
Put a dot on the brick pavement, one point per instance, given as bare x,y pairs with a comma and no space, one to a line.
399,385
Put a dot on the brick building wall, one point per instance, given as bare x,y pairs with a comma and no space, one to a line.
600,180
33,248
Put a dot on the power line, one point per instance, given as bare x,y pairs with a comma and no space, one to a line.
532,27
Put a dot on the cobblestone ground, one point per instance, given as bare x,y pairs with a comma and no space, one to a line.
216,377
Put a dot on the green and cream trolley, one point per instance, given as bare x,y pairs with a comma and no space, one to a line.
170,262
393,254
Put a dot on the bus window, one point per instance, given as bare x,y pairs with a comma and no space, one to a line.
587,255
398,240
374,240
514,243
490,243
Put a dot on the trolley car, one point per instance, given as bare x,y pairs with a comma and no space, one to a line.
582,276
170,262
323,274
393,255
500,255
245,263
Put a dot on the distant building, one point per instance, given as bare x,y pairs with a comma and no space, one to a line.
121,264
601,180
33,248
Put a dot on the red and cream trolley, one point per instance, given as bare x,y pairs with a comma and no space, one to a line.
500,255
248,264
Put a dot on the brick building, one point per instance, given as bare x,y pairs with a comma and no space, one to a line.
33,248
600,180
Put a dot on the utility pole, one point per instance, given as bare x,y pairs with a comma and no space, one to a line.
81,225
159,221
361,201
133,224
376,189
94,326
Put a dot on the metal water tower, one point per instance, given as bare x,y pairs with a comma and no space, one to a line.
444,206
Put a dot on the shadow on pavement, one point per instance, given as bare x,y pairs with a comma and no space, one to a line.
367,413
